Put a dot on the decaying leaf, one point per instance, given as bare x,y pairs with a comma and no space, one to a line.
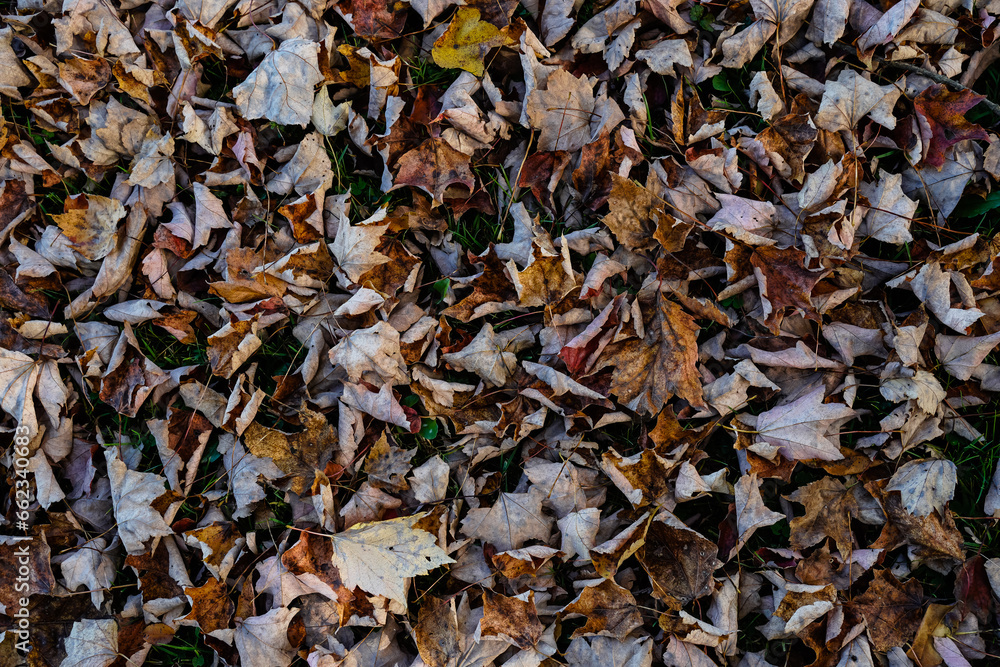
520,328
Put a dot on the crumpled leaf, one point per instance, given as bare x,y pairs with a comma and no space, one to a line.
891,211
281,87
491,356
132,496
90,222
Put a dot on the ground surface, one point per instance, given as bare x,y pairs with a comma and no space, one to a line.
384,334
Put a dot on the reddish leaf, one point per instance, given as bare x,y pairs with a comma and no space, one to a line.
941,114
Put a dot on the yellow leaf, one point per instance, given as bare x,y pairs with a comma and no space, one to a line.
466,42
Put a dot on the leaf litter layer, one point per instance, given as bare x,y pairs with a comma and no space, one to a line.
455,335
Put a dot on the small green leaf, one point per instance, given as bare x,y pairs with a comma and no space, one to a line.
975,206
441,287
429,429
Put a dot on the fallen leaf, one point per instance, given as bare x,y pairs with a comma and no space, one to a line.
802,429
941,114
649,371
680,563
513,619
514,519
609,610
379,557
466,42
281,87
263,640
925,486
435,167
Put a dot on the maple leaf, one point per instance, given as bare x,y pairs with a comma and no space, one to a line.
489,355
784,282
434,167
132,495
354,248
263,640
633,213
379,557
647,372
890,23
603,651
466,42
892,610
281,88
925,486
91,223
211,607
91,566
511,618
92,643
513,519
609,610
371,354
562,112
846,101
801,429
941,114
751,513
18,376
891,211
680,563
961,355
